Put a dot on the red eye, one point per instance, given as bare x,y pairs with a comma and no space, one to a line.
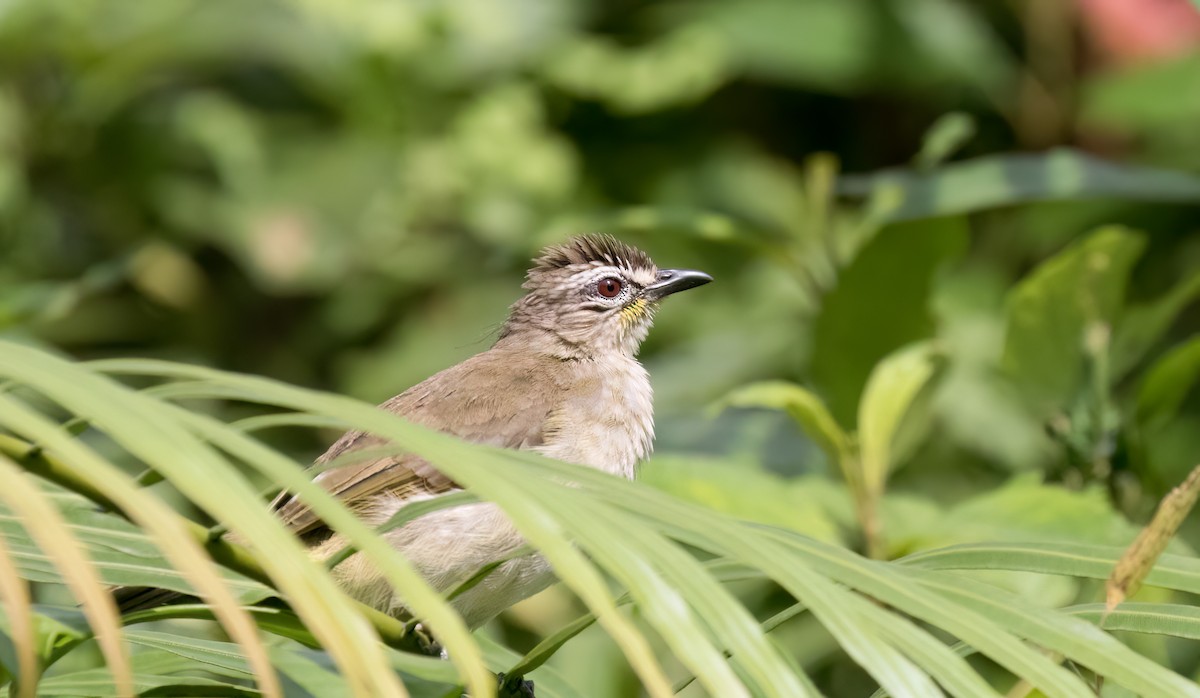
609,288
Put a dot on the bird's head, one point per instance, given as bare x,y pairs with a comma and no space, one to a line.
595,295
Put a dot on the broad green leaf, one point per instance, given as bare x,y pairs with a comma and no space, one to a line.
805,407
1051,309
1003,180
1023,509
892,390
1131,99
805,43
957,39
881,303
1167,383
1141,326
812,505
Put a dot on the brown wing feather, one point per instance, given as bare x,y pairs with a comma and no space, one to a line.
497,398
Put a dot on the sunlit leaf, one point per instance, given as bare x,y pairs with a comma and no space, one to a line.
945,136
892,389
805,407
53,536
1050,310
120,551
18,653
1003,180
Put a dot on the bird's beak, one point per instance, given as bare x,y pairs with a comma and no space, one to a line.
673,281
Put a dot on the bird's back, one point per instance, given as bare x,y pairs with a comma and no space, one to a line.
591,412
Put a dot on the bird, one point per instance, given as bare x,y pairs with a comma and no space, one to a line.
562,379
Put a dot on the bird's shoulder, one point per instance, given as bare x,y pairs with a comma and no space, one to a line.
499,397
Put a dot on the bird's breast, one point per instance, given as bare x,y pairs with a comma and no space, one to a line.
606,418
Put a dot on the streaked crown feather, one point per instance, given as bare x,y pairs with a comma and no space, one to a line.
592,249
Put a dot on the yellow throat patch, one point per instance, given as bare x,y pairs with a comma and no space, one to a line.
634,312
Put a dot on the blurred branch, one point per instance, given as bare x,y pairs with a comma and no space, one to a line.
231,556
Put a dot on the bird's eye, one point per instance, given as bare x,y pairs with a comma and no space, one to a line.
609,287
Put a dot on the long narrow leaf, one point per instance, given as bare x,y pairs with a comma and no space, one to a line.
54,536
155,517
1071,559
16,602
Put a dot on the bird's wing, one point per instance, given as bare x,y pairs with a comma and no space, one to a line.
493,398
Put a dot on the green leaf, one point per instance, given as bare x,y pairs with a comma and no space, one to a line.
758,546
959,41
680,68
146,427
596,528
549,680
58,630
1176,620
1131,99
804,406
1023,509
120,551
97,683
1073,559
1167,383
1049,311
1003,180
945,136
812,505
805,43
1142,326
880,304
892,390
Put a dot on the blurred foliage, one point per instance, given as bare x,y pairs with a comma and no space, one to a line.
345,195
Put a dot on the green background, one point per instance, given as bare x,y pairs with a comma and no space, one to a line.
345,195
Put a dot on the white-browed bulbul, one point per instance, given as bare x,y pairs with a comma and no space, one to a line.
563,380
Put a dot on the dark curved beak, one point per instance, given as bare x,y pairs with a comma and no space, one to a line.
673,281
